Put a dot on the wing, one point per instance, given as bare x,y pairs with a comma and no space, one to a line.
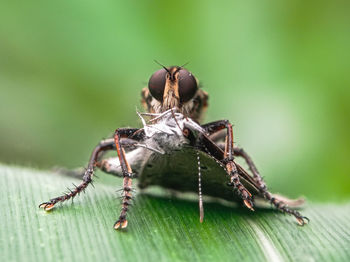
179,171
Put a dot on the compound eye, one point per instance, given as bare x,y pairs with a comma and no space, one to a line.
187,85
156,84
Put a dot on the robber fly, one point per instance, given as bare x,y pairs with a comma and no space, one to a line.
172,135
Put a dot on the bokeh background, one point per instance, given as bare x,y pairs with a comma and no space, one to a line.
71,72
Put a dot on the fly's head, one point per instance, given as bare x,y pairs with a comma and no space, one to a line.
174,87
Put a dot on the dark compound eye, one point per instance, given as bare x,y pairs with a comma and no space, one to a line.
187,85
156,84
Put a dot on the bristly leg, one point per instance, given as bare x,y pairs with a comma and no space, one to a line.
87,178
122,222
236,183
280,205
227,157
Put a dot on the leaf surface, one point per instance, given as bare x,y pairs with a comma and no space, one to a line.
160,228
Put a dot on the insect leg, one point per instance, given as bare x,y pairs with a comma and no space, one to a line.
227,157
257,177
127,176
104,164
279,204
104,145
214,127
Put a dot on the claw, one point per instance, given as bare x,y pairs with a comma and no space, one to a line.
125,224
47,206
302,220
248,204
117,225
121,224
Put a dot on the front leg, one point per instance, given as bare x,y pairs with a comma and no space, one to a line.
227,157
122,222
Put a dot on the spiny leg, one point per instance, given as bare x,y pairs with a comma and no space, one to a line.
214,127
127,175
228,157
104,145
240,152
103,164
279,204
232,169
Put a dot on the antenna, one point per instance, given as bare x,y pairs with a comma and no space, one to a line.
162,66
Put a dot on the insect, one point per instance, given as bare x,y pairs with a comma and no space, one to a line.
171,135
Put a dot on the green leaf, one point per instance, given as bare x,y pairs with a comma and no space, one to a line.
160,228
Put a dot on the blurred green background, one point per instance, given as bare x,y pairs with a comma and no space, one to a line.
71,72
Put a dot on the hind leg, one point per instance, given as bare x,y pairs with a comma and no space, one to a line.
215,127
277,202
87,177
